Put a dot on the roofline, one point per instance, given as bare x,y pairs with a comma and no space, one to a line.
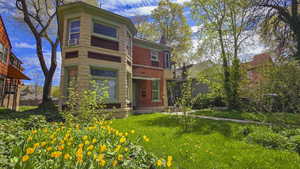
6,32
127,21
137,41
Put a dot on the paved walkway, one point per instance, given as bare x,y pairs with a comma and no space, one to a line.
220,118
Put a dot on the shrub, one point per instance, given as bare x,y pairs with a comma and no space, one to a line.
93,146
202,101
268,138
296,141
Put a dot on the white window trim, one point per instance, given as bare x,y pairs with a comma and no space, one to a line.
104,36
70,33
157,58
156,90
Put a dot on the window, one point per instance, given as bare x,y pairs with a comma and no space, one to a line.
155,90
105,30
106,79
168,60
154,55
3,53
74,32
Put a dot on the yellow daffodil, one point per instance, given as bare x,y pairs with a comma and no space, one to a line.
84,137
29,138
169,161
49,149
86,142
159,163
114,163
122,140
102,148
89,153
146,139
126,134
25,158
126,149
132,131
81,145
36,145
90,148
56,154
29,150
34,131
120,157
102,163
43,144
67,156
118,148
62,147
94,140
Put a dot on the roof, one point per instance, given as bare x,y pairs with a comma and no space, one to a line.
142,42
97,11
5,31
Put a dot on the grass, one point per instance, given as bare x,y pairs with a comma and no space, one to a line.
209,144
275,118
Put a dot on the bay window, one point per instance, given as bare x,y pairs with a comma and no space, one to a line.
104,30
106,79
156,90
74,32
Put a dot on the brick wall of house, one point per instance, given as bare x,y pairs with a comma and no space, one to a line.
145,94
142,56
5,41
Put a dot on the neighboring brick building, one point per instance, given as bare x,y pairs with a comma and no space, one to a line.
10,72
255,68
100,45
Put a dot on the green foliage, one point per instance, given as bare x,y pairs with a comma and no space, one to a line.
86,104
202,101
169,19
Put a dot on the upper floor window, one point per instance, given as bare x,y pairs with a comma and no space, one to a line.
168,60
154,55
105,30
74,32
3,53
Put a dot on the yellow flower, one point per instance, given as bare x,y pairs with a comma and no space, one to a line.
62,142
146,138
29,150
86,142
122,140
69,143
62,147
67,156
56,154
125,149
126,134
90,148
120,157
25,158
94,140
118,148
132,131
49,148
169,161
84,137
43,144
34,131
102,148
36,145
89,153
45,130
81,145
114,163
102,162
29,138
159,163
79,155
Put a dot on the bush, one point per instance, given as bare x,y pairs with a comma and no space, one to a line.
202,101
296,141
268,138
93,146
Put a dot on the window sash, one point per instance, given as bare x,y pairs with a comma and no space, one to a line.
104,30
154,55
156,90
74,31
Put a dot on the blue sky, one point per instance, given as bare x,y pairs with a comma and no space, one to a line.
24,45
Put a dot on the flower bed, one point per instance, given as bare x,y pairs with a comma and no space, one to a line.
94,146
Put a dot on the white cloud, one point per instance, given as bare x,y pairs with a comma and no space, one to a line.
25,45
145,10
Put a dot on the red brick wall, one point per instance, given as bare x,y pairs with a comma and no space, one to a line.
5,41
143,56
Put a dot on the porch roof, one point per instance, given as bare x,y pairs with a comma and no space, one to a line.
145,78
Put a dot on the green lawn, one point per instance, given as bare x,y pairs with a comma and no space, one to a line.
276,118
210,144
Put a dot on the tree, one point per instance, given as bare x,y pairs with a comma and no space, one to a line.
174,31
145,28
40,16
281,18
226,25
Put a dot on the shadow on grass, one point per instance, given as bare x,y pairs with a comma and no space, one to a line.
199,126
50,113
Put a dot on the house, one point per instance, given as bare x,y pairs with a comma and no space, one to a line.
11,72
100,45
254,69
